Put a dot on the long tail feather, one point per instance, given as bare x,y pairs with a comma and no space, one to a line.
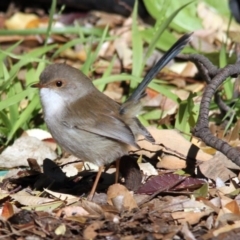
166,58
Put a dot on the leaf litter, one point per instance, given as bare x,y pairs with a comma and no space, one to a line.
190,192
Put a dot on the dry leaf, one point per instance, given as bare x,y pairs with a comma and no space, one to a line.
92,208
62,196
24,148
47,207
169,181
219,24
186,232
233,207
227,189
7,210
70,170
20,21
30,200
72,211
217,167
190,217
3,194
178,67
226,228
174,143
108,19
190,70
124,52
90,232
148,169
61,229
120,195
171,162
224,217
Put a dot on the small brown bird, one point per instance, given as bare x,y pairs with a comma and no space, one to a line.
87,123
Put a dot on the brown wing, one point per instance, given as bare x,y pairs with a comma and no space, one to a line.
99,115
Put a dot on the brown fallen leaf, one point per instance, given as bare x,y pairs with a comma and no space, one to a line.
30,200
202,40
171,162
190,70
226,217
233,207
234,134
226,228
24,148
45,207
124,52
90,231
69,199
174,144
120,197
7,210
107,19
190,217
92,208
227,189
224,200
3,194
219,24
20,21
217,167
186,232
71,211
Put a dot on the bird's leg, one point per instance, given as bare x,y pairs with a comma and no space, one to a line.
91,194
117,170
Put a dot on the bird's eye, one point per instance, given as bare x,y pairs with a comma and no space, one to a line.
59,83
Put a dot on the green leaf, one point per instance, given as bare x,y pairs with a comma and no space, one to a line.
153,115
154,7
181,172
221,7
93,55
184,115
137,47
107,73
9,50
158,31
5,120
30,57
234,193
227,85
167,40
13,109
186,19
15,98
201,192
51,15
158,88
24,117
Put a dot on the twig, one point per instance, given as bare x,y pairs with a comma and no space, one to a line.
201,129
209,71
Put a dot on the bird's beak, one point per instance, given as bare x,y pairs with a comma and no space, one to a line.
37,85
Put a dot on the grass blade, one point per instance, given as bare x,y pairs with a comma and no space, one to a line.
137,47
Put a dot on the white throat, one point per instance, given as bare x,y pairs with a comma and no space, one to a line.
52,102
